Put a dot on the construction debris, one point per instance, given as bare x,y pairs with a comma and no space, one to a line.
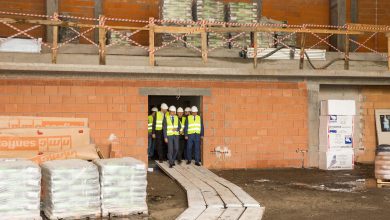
70,189
123,186
20,187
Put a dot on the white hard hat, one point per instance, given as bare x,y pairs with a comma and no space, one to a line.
194,109
164,106
154,109
188,109
172,108
180,109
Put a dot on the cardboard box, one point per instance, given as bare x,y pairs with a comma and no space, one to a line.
336,132
338,107
337,160
7,122
382,121
43,140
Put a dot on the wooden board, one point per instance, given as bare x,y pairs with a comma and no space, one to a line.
232,213
244,197
211,213
210,196
252,213
191,214
229,199
194,196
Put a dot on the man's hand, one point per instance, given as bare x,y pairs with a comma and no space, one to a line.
201,137
166,140
174,129
153,136
181,132
186,137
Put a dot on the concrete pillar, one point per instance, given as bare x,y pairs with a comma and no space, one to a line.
338,17
313,122
51,7
98,10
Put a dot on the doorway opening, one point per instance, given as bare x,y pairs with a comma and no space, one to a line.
177,101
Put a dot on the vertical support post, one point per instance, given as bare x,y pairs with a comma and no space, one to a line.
302,54
98,10
388,49
255,46
102,41
151,42
51,8
203,36
346,61
313,109
54,49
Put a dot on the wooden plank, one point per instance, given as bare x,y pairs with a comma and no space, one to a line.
229,199
151,42
194,195
210,196
244,197
55,41
204,46
232,213
211,213
252,213
302,54
255,49
102,41
388,49
191,214
346,50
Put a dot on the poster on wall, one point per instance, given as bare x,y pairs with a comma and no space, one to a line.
382,120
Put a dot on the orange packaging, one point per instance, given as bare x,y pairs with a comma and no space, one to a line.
7,122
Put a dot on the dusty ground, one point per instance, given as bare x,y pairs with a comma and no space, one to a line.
288,194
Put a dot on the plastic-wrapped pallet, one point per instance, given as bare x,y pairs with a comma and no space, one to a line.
123,186
176,10
20,189
71,189
209,10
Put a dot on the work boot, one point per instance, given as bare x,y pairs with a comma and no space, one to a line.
179,162
197,164
188,161
160,161
170,165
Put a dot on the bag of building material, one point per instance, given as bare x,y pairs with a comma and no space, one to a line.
71,189
20,189
123,186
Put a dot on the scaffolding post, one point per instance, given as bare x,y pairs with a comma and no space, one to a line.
102,41
302,54
54,49
388,49
346,60
152,61
255,46
203,36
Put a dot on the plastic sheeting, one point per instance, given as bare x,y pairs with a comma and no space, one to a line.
21,45
123,186
20,188
71,189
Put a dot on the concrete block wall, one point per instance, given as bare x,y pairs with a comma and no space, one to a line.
261,123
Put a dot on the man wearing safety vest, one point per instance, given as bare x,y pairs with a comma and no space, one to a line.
157,131
193,132
171,128
182,141
151,142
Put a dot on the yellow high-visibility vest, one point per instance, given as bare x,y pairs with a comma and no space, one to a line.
159,121
183,123
171,126
194,126
150,123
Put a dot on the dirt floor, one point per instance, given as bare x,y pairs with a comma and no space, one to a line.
288,193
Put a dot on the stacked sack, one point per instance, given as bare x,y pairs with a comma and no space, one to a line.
20,189
382,162
70,189
176,10
123,186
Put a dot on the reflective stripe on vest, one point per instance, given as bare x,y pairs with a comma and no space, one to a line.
159,121
194,126
150,123
183,123
171,126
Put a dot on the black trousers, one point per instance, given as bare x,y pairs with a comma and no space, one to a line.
182,147
159,145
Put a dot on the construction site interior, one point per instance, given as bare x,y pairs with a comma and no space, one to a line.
288,102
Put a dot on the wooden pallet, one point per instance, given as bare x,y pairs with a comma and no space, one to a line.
78,217
383,183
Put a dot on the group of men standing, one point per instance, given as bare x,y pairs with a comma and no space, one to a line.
179,129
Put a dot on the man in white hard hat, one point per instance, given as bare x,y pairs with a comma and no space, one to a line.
187,111
193,132
157,131
182,140
151,142
171,128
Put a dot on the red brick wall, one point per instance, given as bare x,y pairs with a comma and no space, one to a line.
19,6
262,123
372,98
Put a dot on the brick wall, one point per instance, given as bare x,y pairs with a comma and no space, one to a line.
31,6
372,98
262,123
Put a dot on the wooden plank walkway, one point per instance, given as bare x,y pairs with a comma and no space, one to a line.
211,197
